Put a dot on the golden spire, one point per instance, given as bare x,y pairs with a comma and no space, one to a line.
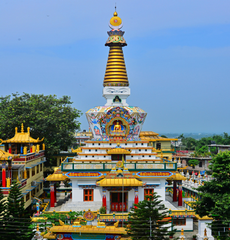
115,74
22,128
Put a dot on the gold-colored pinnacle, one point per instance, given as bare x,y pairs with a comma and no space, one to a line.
22,128
115,74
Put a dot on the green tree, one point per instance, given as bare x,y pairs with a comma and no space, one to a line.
47,116
215,196
2,211
149,220
193,162
17,222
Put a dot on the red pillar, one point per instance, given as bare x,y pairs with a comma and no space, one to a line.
136,200
104,199
174,191
55,193
3,174
10,150
52,195
180,195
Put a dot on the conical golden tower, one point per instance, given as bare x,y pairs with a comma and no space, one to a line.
115,74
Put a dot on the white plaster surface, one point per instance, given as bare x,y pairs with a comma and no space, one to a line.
202,224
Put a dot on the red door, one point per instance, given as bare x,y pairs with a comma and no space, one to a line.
116,201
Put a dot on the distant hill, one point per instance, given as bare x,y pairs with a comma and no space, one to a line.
196,136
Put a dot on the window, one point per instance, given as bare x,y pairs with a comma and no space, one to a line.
88,195
142,144
96,150
86,156
27,196
92,156
89,150
28,173
37,168
149,155
179,221
104,156
99,144
200,164
158,146
33,171
110,144
93,144
146,150
136,143
40,186
125,144
139,150
41,167
148,192
33,193
37,189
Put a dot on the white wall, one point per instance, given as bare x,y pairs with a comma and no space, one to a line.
188,226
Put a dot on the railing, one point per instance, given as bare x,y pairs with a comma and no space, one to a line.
182,213
113,217
67,166
29,156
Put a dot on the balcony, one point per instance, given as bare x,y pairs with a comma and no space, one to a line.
68,166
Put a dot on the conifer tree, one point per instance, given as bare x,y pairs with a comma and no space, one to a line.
150,220
214,200
17,221
2,211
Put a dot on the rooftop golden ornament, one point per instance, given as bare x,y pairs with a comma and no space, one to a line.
22,137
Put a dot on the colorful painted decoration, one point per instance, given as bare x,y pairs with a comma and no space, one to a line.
83,174
154,174
89,216
121,123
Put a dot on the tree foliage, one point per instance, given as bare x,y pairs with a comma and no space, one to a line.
149,220
193,162
47,116
215,196
17,222
200,145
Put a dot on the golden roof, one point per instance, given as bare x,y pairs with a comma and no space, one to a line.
120,182
50,235
6,156
78,150
177,177
118,151
56,177
22,137
86,229
152,136
148,133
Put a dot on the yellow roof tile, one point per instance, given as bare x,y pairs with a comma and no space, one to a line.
118,151
177,177
56,177
119,182
22,137
6,156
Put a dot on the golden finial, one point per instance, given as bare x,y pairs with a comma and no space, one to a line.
16,130
115,13
22,128
37,228
28,130
182,232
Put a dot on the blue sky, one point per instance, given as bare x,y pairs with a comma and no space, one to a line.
177,58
